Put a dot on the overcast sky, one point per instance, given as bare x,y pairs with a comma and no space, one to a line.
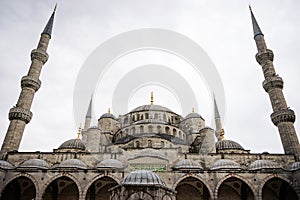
222,28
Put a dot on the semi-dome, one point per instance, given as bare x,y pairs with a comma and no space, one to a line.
225,164
143,178
110,163
73,144
151,107
228,144
107,115
5,165
263,164
193,115
187,164
295,166
35,163
72,163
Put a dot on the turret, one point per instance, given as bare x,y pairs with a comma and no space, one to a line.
20,114
283,117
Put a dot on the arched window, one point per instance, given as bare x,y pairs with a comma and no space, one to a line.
141,129
158,129
146,116
156,116
149,143
167,130
174,132
150,128
133,130
137,144
162,144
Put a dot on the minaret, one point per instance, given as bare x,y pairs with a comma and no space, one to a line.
219,129
282,117
88,116
20,114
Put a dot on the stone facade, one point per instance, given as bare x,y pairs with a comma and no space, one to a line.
150,153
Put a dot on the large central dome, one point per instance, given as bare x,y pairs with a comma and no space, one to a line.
151,107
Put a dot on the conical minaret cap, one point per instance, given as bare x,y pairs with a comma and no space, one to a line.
217,114
256,28
48,28
89,111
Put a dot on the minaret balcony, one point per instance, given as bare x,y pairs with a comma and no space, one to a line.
272,82
37,54
30,82
262,57
286,115
20,113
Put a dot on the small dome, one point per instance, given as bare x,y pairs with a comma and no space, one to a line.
228,144
295,166
110,163
263,164
5,165
225,164
193,115
35,163
142,177
108,115
187,164
151,107
73,144
72,163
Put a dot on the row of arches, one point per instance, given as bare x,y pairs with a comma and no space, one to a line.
145,115
187,188
157,129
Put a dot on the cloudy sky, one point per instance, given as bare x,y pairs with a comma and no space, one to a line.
222,28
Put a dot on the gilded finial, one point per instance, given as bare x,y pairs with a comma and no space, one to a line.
55,7
193,109
79,132
151,99
108,111
222,134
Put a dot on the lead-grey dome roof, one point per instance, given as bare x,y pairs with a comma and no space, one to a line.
187,164
110,163
35,163
263,164
295,166
73,144
193,115
225,164
151,107
72,163
107,115
5,165
143,177
228,144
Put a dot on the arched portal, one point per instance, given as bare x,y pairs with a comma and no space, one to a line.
62,188
191,188
277,188
99,189
21,188
235,189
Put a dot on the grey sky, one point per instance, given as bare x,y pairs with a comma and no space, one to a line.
222,28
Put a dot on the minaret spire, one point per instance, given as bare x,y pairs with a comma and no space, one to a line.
20,114
219,132
283,117
88,116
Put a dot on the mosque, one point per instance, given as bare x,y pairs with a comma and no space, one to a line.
151,152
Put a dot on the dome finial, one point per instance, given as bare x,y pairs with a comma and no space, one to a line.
79,132
108,111
151,98
193,109
55,7
222,134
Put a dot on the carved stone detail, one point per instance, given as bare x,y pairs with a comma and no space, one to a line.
262,57
286,115
20,113
272,82
31,82
39,55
